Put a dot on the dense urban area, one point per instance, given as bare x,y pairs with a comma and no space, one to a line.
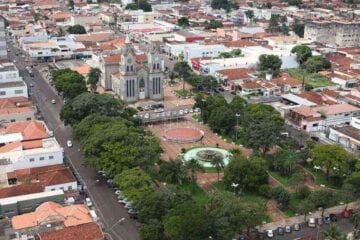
179,120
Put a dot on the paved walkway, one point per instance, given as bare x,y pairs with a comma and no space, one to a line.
300,219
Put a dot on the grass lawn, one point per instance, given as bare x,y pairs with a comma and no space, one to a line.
282,179
320,178
313,79
183,93
198,195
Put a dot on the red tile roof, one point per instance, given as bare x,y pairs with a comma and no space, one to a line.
240,43
287,80
316,98
87,231
22,189
235,73
31,130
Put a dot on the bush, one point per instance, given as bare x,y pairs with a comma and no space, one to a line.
265,191
282,196
302,192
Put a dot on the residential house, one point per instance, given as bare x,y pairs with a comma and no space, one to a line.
232,78
11,84
347,135
288,84
16,109
260,87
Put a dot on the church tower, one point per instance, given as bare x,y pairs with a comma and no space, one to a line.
129,84
156,72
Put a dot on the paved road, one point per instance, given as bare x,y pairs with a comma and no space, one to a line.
106,205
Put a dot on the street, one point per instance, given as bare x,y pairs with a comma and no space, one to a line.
103,197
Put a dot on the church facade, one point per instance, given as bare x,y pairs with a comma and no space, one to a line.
139,79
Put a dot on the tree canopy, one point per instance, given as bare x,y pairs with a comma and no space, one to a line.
76,29
93,78
183,22
303,53
270,62
69,83
223,4
213,24
316,64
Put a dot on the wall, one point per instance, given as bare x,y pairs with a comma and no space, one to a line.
15,117
20,91
65,187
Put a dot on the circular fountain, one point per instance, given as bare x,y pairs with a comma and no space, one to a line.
205,155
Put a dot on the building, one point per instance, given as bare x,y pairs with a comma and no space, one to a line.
347,135
3,49
334,33
134,80
54,214
288,84
11,84
13,206
16,109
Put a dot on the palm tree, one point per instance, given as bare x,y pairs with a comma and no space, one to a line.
355,219
173,171
93,78
194,166
218,163
333,233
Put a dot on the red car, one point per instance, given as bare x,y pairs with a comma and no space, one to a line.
346,213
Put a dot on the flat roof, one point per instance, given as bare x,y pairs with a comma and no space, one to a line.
12,84
299,100
12,200
350,131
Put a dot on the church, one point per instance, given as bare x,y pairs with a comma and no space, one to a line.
138,76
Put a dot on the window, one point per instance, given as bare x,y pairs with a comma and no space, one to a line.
315,125
41,158
31,159
70,188
51,157
40,53
131,68
53,189
19,91
12,120
28,119
2,93
127,68
62,188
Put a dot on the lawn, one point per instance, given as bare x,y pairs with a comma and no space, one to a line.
198,195
282,179
183,93
312,79
320,178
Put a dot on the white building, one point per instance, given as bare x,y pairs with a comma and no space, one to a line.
3,51
83,19
347,135
11,84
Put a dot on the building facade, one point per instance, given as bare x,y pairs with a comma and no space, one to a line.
338,34
3,50
135,81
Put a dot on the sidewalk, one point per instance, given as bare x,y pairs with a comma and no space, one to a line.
300,219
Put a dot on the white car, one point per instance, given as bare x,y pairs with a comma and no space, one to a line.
269,233
88,202
53,101
69,143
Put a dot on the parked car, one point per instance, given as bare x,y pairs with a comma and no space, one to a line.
118,192
327,219
312,222
128,205
88,202
53,101
69,143
280,231
288,229
320,221
297,227
333,217
269,233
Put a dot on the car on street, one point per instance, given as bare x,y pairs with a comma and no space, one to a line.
333,217
346,213
280,231
117,192
288,229
297,227
53,101
69,143
312,222
270,233
128,205
88,202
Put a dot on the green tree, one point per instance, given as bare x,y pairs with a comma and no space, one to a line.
293,2
303,53
249,14
69,83
225,55
218,164
131,6
36,16
173,171
274,25
304,207
93,78
330,157
261,127
223,4
249,174
183,22
86,104
354,181
71,4
316,64
284,162
323,198
154,230
222,120
213,24
268,5
182,70
333,233
282,196
238,105
152,205
299,28
144,5
270,62
194,167
355,220
76,29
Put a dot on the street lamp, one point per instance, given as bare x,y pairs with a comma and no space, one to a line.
237,126
234,185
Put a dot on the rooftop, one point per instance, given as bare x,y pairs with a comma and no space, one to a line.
49,212
349,131
12,84
87,231
337,109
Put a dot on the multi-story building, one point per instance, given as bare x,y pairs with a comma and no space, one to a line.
136,81
11,84
334,33
3,50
